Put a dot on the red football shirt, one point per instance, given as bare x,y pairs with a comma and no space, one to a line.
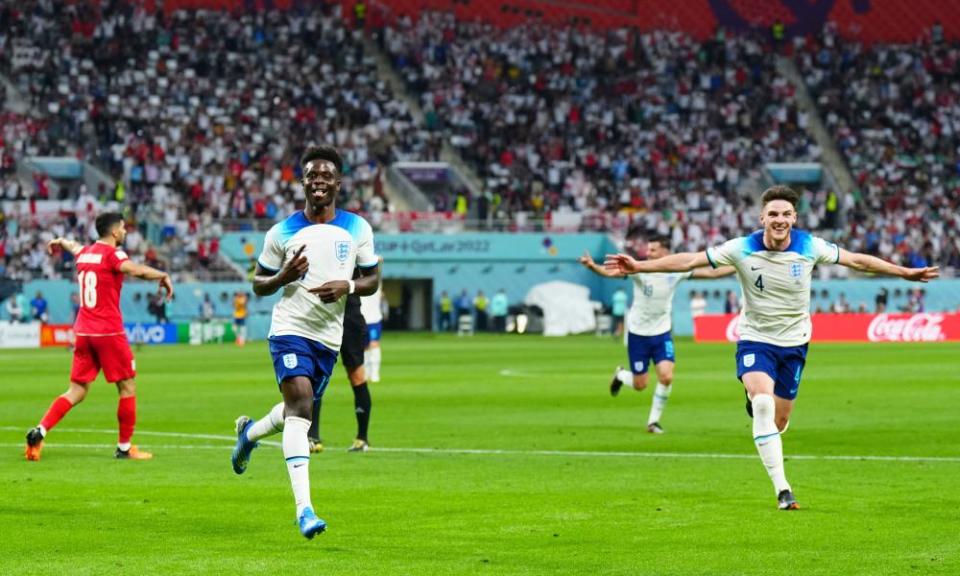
100,279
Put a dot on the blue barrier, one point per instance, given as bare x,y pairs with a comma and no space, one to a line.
62,168
796,172
480,261
942,295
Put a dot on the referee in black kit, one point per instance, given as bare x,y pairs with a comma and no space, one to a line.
351,353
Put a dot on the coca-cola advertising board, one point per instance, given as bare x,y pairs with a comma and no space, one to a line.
919,327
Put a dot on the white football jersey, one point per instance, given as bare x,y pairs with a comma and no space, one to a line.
651,311
775,284
370,307
333,250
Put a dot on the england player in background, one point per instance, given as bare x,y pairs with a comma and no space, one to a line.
311,257
774,266
101,342
649,322
372,309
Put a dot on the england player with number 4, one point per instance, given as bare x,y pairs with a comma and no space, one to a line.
774,266
311,257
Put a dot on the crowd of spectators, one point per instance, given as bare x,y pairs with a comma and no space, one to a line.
200,116
656,130
894,111
23,244
562,118
18,135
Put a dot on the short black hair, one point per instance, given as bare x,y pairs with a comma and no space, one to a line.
780,192
106,221
661,239
322,152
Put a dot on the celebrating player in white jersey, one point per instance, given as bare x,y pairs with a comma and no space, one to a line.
648,326
311,256
372,309
774,266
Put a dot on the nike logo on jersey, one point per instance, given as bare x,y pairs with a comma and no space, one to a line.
755,268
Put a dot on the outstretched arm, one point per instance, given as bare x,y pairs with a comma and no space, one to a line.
145,272
680,262
589,264
711,273
71,246
868,263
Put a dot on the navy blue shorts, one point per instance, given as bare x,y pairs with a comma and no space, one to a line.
299,356
640,349
784,364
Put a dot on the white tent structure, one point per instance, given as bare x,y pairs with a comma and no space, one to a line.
567,308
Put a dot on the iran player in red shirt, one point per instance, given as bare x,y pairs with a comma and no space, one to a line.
101,343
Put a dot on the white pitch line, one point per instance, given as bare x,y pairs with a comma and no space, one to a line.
692,455
231,438
499,452
510,373
59,445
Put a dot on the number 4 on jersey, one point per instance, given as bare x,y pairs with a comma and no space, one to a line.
759,282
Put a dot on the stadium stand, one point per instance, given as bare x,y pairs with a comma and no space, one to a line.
562,119
894,111
199,115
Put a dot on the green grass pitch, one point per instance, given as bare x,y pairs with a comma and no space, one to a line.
563,478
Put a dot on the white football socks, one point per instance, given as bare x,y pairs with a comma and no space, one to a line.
296,449
660,397
268,425
767,439
625,377
371,359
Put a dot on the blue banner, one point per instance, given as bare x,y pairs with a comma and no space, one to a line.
478,246
795,172
138,333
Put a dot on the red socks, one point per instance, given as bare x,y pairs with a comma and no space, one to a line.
55,413
126,417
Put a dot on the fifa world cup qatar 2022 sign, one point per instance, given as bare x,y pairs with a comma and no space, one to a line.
919,327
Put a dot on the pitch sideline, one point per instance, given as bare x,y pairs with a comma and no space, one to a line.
485,451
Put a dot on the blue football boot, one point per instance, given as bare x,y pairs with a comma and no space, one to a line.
244,447
310,525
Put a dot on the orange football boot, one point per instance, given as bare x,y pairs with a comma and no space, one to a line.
133,453
34,444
